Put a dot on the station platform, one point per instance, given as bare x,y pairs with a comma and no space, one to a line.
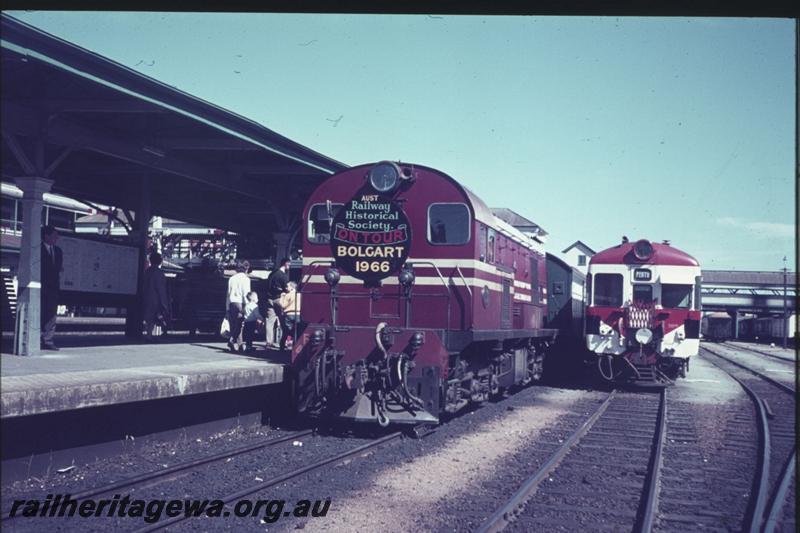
111,372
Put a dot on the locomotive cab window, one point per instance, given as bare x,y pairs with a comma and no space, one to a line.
643,294
448,224
674,296
319,225
608,290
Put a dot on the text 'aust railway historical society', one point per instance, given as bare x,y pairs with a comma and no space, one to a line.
370,237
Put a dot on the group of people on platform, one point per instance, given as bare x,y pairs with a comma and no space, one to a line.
244,317
242,312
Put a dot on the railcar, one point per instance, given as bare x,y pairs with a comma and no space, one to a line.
416,299
643,317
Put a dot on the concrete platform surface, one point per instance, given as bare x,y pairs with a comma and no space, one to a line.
90,376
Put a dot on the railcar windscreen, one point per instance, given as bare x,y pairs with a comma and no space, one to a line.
643,294
319,225
608,290
448,224
674,296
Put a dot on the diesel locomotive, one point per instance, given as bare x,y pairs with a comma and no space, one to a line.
417,299
643,314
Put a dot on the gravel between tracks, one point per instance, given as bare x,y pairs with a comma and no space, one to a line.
450,480
709,455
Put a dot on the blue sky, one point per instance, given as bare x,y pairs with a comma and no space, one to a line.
660,128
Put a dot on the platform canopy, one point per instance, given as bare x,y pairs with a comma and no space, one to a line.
102,131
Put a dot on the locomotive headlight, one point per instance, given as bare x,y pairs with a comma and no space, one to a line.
406,277
417,340
318,337
643,250
332,277
384,176
644,335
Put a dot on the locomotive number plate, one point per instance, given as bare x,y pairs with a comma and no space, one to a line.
370,237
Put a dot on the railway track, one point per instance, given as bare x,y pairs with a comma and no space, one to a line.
156,476
738,346
271,482
774,487
710,457
167,474
606,471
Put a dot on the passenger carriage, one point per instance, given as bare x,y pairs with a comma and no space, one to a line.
416,299
643,317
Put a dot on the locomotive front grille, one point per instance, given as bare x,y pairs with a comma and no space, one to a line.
638,317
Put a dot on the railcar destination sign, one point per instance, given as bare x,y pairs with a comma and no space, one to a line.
370,237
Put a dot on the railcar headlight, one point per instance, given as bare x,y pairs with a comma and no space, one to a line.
605,329
643,335
332,277
643,250
384,176
680,335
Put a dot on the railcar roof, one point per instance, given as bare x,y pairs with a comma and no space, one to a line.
663,254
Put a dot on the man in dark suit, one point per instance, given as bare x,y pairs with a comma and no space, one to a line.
52,265
156,299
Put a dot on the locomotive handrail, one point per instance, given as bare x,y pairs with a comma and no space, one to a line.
312,263
460,275
441,278
410,263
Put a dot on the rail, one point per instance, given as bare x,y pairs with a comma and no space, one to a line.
650,503
763,376
151,476
647,506
763,515
280,479
503,515
773,355
756,507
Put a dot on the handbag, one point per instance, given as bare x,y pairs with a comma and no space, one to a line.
225,327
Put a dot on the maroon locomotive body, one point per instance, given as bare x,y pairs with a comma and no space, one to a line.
416,299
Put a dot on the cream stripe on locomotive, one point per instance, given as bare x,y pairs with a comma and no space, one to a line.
440,263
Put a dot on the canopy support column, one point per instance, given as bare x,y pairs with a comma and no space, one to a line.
139,236
27,329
